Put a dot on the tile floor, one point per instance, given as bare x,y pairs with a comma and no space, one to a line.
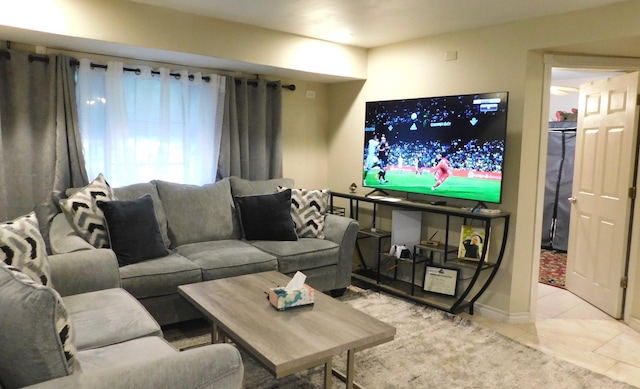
572,329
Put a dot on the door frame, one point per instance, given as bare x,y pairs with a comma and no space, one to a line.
591,63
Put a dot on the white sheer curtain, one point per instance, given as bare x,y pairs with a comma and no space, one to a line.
139,126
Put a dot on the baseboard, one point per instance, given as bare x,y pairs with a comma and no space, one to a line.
501,316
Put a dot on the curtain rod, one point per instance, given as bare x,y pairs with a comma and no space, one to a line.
75,62
32,57
272,84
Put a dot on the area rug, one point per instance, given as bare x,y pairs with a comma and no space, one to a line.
553,266
432,349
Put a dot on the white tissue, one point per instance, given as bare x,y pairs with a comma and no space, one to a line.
297,282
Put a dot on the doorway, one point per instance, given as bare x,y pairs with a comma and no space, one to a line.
587,272
562,125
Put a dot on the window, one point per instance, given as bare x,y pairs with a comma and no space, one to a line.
142,125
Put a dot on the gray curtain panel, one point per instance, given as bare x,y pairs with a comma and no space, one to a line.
40,148
251,145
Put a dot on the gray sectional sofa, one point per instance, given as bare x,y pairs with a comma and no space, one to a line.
84,331
201,229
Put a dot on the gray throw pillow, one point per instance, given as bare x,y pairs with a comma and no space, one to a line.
134,191
266,217
243,187
199,213
134,232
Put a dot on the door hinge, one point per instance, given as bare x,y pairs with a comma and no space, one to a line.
624,281
632,193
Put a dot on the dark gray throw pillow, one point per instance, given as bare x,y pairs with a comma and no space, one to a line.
133,230
266,217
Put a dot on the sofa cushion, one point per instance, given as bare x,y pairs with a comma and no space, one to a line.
199,213
85,216
266,217
37,336
306,253
22,246
63,238
227,258
243,187
126,353
134,191
107,317
134,233
159,276
308,209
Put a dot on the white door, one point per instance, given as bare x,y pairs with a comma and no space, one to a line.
601,203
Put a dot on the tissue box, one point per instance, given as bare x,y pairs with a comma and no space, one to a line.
281,300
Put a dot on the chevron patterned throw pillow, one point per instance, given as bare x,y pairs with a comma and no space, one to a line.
22,246
85,216
308,209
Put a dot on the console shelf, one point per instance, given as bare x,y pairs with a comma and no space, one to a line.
473,277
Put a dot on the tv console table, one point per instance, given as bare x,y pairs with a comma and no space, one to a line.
472,277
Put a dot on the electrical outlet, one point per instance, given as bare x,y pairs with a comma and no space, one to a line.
311,94
451,56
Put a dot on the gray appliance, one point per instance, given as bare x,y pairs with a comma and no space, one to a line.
559,179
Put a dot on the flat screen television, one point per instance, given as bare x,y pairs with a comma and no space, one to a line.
447,146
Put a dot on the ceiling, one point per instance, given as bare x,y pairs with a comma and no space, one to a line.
372,23
367,23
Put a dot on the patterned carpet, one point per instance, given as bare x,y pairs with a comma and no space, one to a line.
553,265
432,349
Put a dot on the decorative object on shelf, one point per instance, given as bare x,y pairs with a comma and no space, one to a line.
441,280
400,251
472,240
431,242
353,187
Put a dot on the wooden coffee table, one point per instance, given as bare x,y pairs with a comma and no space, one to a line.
285,342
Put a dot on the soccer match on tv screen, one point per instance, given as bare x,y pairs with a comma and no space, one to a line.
450,146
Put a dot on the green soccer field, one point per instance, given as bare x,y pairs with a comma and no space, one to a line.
459,187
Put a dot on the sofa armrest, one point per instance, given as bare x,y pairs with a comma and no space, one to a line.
212,366
63,238
343,231
84,271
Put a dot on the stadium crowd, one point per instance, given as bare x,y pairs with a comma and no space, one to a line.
472,155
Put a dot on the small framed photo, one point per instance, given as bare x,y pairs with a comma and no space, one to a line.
472,242
441,280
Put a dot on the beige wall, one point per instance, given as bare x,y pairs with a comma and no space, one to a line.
507,57
304,127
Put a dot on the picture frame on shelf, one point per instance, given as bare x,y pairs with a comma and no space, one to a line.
441,280
472,242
